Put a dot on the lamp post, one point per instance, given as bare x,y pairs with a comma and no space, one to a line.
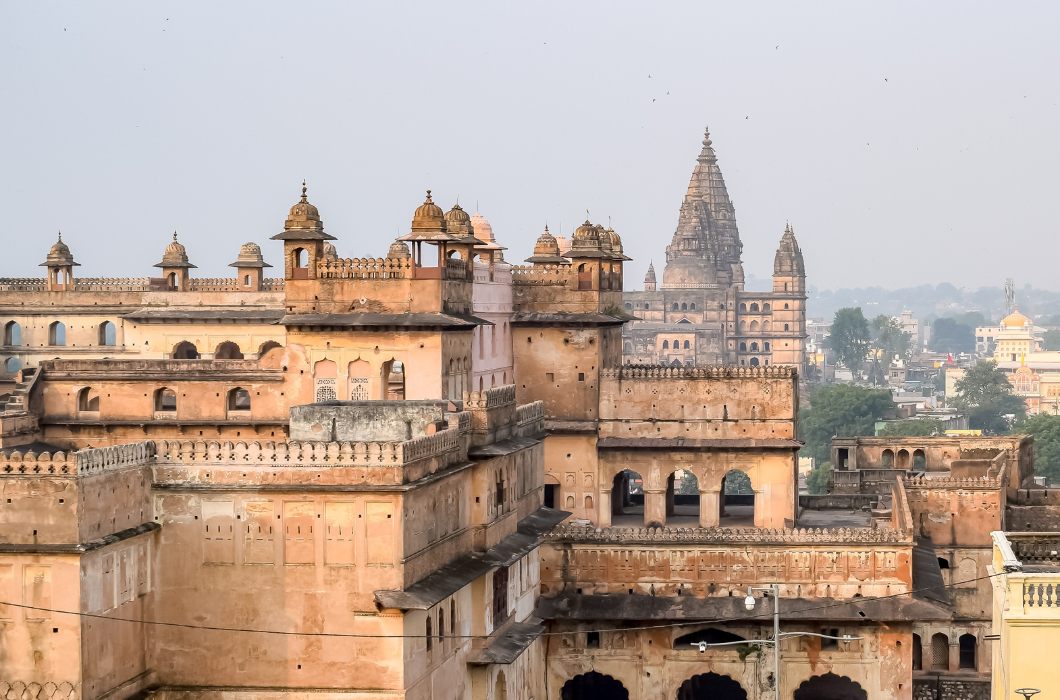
1027,693
749,603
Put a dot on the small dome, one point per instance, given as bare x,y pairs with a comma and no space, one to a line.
250,256
587,231
175,255
303,222
616,241
399,250
330,252
429,217
564,244
458,221
59,255
547,251
1016,320
482,228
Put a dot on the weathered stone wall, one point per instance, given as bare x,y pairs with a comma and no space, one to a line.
950,689
364,421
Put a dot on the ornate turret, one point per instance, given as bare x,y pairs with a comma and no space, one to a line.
490,249
428,219
175,265
649,278
250,266
60,264
706,246
789,270
303,239
546,251
399,251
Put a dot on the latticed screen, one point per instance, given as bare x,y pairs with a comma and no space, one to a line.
358,389
940,653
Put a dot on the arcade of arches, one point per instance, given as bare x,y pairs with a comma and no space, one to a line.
710,686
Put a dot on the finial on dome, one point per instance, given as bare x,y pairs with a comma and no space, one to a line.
60,236
174,235
706,137
429,196
304,200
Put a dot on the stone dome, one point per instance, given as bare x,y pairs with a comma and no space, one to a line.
546,251
482,228
1016,320
250,256
458,221
59,255
429,217
175,255
330,252
303,222
586,232
399,250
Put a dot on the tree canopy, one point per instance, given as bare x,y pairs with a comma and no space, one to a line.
1051,340
912,427
817,479
849,337
843,410
1046,431
949,336
985,394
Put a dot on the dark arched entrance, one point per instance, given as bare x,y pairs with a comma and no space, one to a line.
593,686
829,687
711,686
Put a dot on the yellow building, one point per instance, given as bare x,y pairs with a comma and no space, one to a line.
1026,581
1033,372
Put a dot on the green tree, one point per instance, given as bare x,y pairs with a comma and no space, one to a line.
1052,339
972,319
849,337
842,410
985,394
1046,431
817,479
913,427
949,336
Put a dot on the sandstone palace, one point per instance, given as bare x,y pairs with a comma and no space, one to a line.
436,475
700,314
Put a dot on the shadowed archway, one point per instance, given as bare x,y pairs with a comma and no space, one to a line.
593,686
829,687
711,686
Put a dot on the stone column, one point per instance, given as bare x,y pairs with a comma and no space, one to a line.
709,508
955,652
604,508
760,508
655,506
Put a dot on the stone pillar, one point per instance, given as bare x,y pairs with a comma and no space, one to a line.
760,508
604,508
655,506
709,508
955,652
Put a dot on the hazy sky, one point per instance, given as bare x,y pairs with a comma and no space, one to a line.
907,144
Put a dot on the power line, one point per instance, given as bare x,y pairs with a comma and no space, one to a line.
687,623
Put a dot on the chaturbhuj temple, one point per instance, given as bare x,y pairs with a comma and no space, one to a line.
700,314
433,475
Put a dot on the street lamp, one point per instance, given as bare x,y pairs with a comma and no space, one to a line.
749,603
1028,693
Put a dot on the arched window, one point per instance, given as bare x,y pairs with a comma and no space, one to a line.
754,306
57,334
754,347
919,462
246,280
299,262
629,307
107,333
765,325
888,459
185,351
12,364
441,624
493,341
967,651
743,347
239,399
785,326
918,653
267,347
766,344
743,306
754,325
676,307
666,345
357,374
692,306
165,400
743,325
12,334
684,307
940,652
686,345
785,306
765,307
325,373
171,280
87,400
228,351
754,362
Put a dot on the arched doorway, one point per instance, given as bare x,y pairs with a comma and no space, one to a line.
888,459
711,686
185,351
902,459
228,351
829,687
919,461
593,686
682,498
736,502
500,687
627,498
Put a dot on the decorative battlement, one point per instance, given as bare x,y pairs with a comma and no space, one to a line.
724,535
715,372
112,284
23,284
530,412
90,461
365,268
135,284
948,482
557,275
490,398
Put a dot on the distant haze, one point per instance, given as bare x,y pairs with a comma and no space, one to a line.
908,144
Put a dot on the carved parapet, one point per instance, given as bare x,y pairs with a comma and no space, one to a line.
112,284
214,284
724,535
557,275
949,482
490,398
96,460
294,454
714,372
23,284
272,284
364,268
17,690
33,464
530,413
